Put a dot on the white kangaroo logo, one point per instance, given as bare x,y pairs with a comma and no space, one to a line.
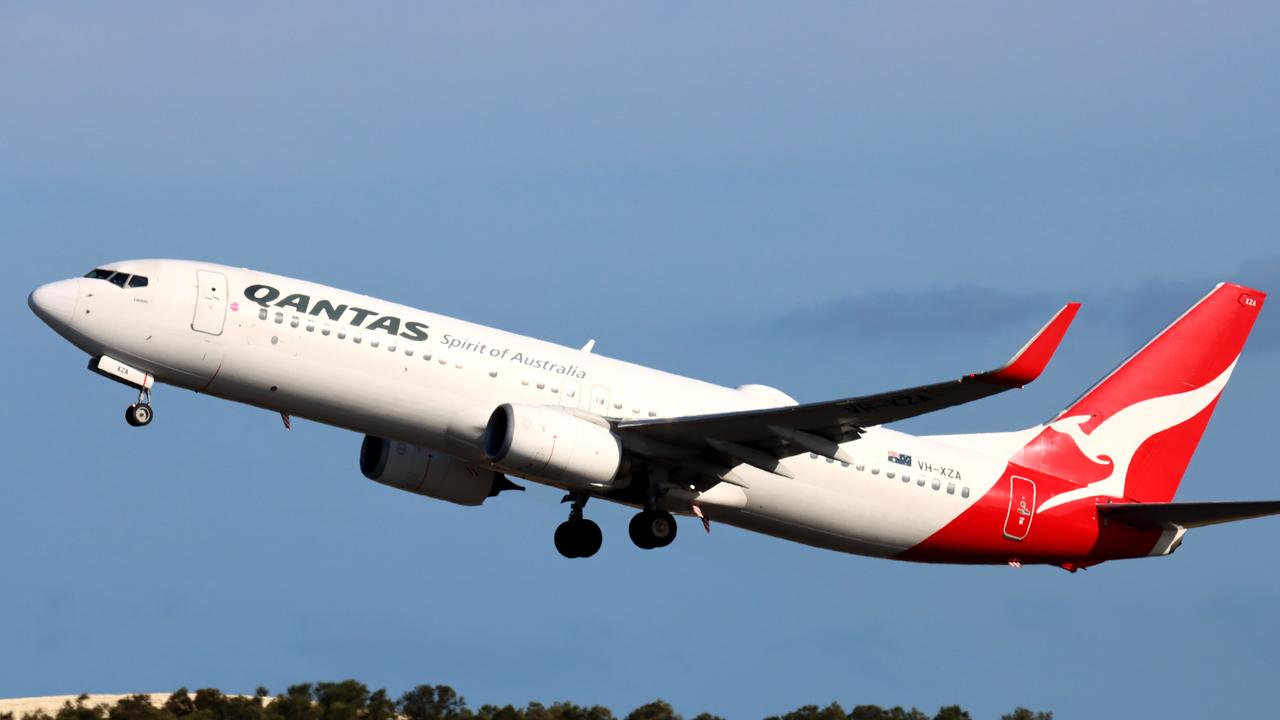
1119,436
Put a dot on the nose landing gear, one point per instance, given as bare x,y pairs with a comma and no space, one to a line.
578,537
139,414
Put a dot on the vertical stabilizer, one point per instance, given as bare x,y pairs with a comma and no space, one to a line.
1133,434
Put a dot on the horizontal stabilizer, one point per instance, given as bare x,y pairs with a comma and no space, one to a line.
1149,516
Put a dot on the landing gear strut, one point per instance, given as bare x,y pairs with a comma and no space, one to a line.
651,529
139,414
578,537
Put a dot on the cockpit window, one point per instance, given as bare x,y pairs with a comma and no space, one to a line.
119,279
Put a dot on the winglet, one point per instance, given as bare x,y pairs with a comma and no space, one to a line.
1031,360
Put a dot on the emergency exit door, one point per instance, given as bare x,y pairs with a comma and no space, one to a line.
600,400
1022,508
211,302
569,394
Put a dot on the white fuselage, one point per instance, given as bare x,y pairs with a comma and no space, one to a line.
435,383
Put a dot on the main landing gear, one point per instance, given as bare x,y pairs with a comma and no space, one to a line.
651,529
578,537
139,414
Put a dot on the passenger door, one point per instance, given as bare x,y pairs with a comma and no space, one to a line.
1022,508
211,302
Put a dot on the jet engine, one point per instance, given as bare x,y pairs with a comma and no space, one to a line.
427,472
553,445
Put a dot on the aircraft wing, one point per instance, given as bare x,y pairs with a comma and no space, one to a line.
761,437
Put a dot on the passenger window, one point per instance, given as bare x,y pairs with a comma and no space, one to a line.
293,321
119,279
951,488
137,281
391,347
875,471
279,318
936,484
357,338
374,342
262,313
342,334
889,474
653,413
427,356
906,478
920,482
311,325
408,352
964,492
325,331
859,466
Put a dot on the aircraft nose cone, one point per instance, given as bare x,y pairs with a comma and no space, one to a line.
53,303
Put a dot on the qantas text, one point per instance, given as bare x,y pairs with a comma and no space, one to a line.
265,295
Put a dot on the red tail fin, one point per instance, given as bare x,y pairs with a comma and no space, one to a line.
1133,434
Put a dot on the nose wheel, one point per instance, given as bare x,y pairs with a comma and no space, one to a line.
651,529
139,414
578,537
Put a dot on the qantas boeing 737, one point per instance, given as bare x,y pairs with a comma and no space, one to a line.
449,409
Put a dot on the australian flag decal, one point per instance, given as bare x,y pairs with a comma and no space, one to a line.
899,458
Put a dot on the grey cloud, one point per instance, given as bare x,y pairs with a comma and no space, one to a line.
935,314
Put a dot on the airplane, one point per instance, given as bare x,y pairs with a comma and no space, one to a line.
452,410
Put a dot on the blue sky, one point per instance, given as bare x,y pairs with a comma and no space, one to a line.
832,199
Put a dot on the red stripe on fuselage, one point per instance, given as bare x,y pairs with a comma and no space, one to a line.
1071,533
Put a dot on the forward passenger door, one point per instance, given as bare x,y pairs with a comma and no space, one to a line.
211,302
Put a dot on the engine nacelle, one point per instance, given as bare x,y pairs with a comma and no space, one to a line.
428,472
553,445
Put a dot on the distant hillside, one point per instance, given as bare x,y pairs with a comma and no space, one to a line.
353,700
51,703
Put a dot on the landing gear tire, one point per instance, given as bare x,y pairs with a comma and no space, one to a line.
138,414
652,529
578,538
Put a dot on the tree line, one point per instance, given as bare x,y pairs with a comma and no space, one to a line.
352,700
